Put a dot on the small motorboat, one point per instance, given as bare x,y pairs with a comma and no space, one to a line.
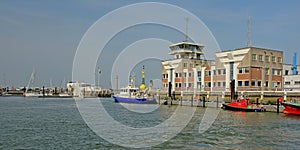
243,104
133,94
291,108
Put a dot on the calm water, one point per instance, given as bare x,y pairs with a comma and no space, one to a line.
28,123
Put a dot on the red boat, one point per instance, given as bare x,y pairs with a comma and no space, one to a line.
291,108
243,104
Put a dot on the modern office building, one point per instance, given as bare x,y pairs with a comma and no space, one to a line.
185,71
245,66
189,71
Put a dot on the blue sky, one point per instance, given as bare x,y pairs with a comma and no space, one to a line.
45,34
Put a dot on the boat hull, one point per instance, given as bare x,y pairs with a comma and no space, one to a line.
133,100
227,107
291,108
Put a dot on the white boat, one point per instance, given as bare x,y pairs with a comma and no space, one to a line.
32,92
133,94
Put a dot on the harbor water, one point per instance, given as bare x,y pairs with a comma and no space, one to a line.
52,123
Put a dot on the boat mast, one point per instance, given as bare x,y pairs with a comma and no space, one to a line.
31,80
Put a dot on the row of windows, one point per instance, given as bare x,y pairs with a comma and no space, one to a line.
178,85
191,65
289,83
219,84
165,76
240,83
267,58
178,75
243,70
274,71
257,83
219,72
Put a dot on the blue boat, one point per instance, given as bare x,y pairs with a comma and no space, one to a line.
132,94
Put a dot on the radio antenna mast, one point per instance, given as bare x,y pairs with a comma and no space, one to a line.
249,32
186,29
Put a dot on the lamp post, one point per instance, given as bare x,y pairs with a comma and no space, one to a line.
270,73
263,78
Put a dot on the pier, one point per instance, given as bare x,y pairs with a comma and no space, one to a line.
267,99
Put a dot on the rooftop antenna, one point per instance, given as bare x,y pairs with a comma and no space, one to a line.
249,32
186,29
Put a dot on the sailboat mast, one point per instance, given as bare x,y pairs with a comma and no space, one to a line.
31,80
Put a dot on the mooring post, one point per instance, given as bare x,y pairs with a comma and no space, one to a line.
277,105
180,100
203,101
43,91
158,99
217,101
192,101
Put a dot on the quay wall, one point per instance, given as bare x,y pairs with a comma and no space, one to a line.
266,97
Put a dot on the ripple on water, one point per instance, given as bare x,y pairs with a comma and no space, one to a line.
57,124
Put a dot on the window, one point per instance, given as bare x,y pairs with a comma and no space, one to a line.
297,82
177,75
224,83
260,57
190,84
190,74
207,84
252,83
191,65
214,72
277,72
165,85
199,73
278,84
267,71
240,83
267,58
224,71
246,83
165,76
240,70
185,74
246,69
207,73
258,83
184,65
279,59
287,83
273,59
219,84
219,71
286,72
253,56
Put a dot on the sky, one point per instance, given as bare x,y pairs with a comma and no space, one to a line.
44,35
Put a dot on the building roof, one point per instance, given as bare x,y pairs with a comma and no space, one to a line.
250,49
